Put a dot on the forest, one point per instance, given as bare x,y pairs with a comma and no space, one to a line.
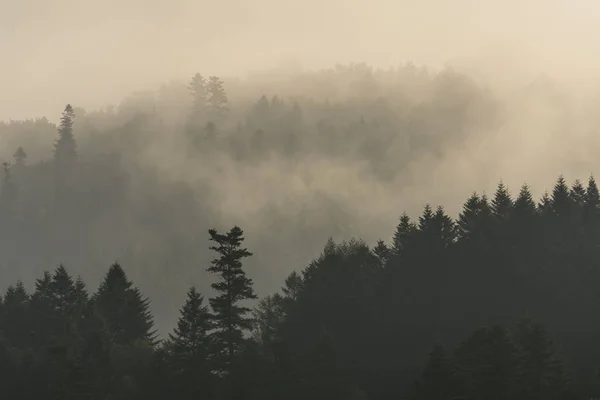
498,304
125,273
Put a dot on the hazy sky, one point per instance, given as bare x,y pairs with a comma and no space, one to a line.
90,52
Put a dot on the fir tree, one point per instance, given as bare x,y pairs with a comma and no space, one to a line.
126,312
382,252
63,290
524,204
560,200
502,203
190,337
470,219
404,233
578,193
198,90
233,288
592,197
217,98
189,347
65,148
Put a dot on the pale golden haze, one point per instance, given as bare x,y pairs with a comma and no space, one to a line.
94,52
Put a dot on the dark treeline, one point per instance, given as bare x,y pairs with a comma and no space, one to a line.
143,181
500,303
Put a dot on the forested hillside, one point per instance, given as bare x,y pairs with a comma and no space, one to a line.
500,303
294,159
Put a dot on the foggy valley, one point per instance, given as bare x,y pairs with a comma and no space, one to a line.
425,168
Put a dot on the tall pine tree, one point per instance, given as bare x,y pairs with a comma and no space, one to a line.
232,288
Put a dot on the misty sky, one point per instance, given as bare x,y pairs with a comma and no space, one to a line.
94,52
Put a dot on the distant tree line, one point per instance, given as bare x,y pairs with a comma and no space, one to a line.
480,294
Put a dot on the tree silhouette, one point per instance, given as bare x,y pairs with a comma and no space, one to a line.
232,288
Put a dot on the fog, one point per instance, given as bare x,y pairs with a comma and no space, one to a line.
498,90
92,52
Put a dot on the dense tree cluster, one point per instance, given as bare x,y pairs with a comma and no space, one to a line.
510,287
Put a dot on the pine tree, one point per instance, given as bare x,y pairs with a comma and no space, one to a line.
560,200
592,197
544,206
578,193
190,337
591,207
502,204
63,291
473,221
444,227
217,98
126,312
233,288
405,232
189,347
198,90
65,148
524,204
426,218
197,116
382,252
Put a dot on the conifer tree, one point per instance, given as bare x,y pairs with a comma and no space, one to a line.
444,227
578,193
560,198
545,207
232,288
502,203
404,234
592,197
189,347
382,252
524,204
472,217
65,148
591,207
126,312
292,286
190,337
217,98
198,90
63,290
